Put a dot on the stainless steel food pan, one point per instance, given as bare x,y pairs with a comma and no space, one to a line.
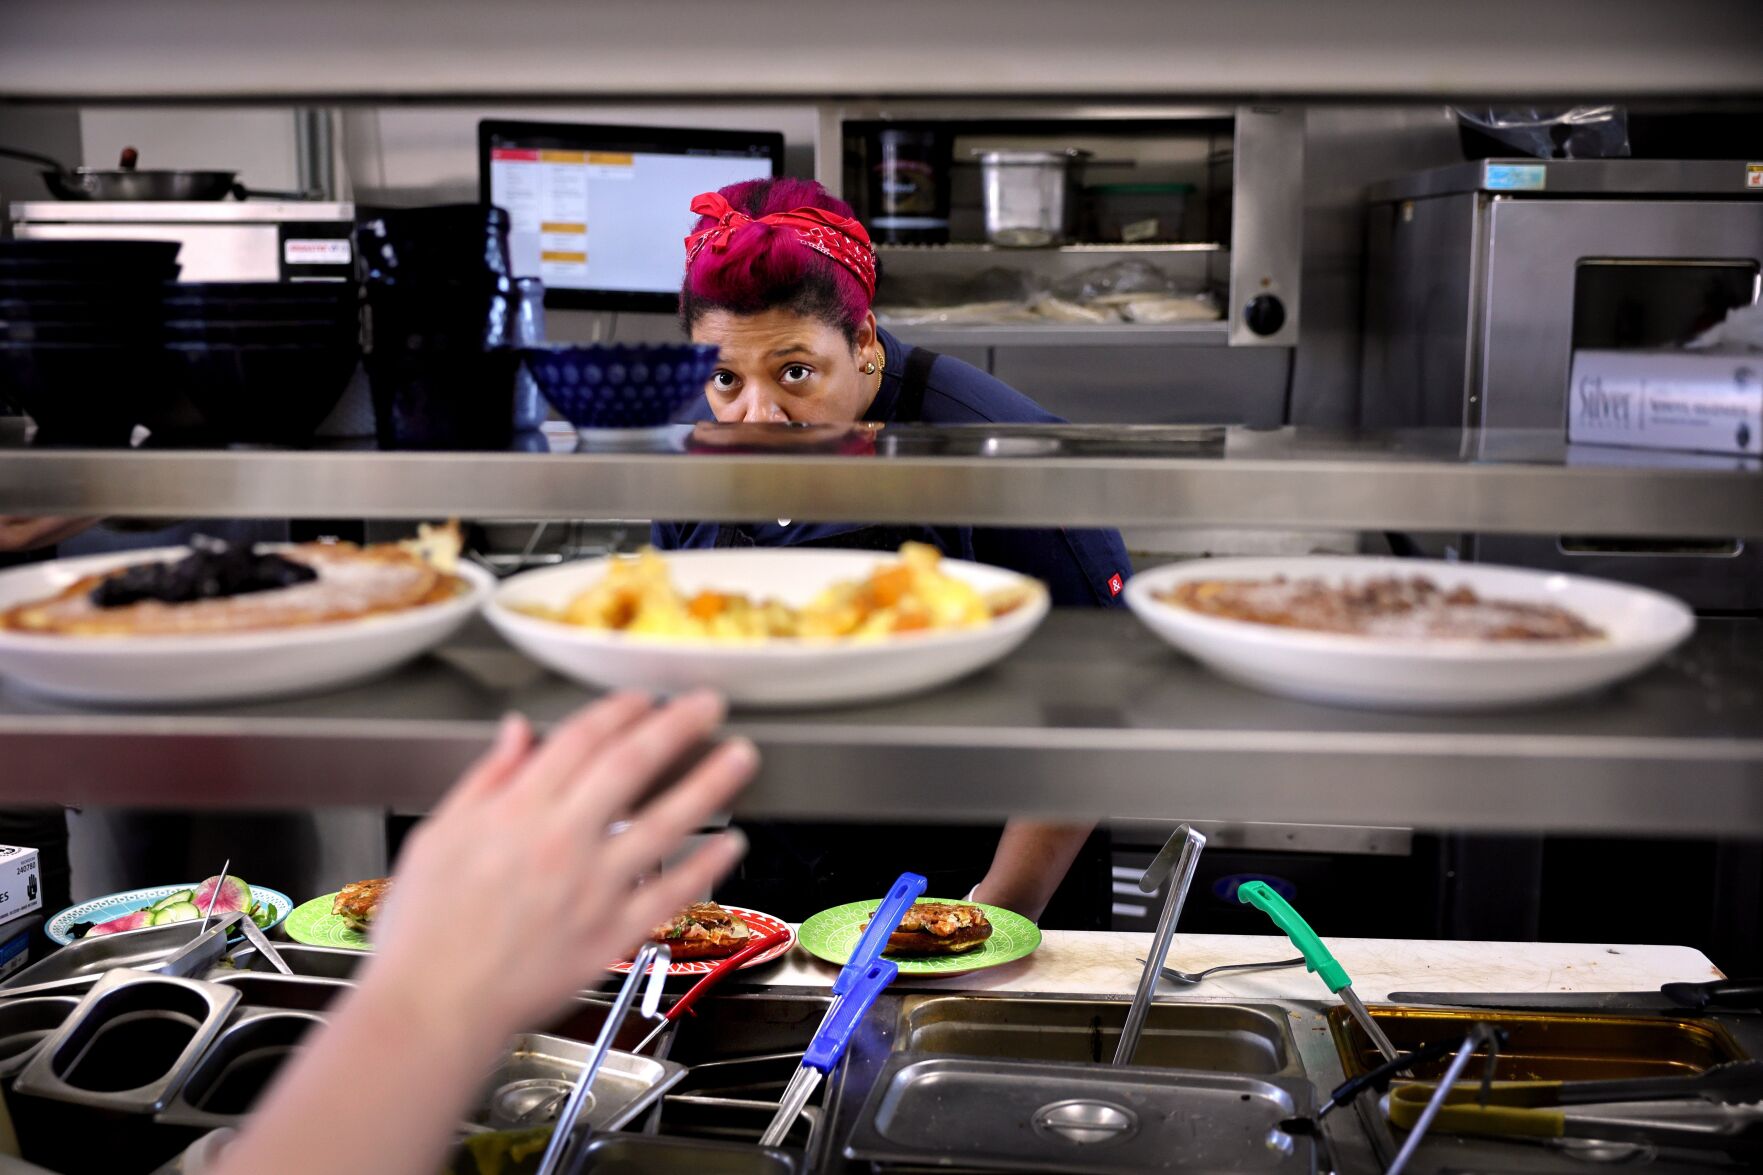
1097,1119
534,1078
637,1154
1226,1038
25,1024
244,1058
312,962
179,949
130,1043
287,993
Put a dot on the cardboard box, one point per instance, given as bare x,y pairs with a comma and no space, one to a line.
15,944
20,890
1689,401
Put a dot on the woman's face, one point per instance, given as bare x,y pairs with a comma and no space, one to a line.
777,366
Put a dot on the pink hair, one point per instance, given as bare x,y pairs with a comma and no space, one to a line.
766,268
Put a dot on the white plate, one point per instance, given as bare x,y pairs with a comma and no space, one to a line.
1387,673
163,670
777,673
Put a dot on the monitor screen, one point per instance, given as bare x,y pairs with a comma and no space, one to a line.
600,212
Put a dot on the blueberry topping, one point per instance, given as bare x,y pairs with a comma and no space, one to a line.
213,570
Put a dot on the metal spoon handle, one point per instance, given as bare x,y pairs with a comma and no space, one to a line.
215,896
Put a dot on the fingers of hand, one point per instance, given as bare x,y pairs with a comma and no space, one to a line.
496,766
659,828
576,743
630,761
677,888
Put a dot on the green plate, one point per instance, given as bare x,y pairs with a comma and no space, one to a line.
832,935
313,924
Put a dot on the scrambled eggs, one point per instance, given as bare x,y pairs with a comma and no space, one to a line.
638,596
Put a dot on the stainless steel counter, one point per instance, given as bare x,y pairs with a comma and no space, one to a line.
1421,481
1090,719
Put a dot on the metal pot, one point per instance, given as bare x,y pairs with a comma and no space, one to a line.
1029,196
127,183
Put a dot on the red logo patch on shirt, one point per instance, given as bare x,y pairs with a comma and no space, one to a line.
1115,584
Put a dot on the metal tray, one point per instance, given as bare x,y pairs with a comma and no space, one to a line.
74,968
1225,1038
25,1024
635,1154
1546,1046
287,993
310,962
131,1042
238,1067
733,1120
538,1068
1082,1119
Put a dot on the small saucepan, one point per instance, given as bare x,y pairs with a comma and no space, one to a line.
126,182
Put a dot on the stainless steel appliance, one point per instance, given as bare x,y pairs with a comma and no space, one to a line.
224,240
1483,279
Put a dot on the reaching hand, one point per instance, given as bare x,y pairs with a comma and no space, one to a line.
516,892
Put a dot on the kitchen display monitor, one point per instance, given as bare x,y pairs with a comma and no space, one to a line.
600,213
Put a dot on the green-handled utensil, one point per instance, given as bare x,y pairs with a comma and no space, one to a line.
1317,957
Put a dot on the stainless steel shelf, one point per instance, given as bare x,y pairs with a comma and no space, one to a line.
1281,479
1067,334
1077,247
1090,719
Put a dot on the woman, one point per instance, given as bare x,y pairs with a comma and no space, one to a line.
780,278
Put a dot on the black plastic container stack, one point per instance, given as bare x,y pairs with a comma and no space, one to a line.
443,334
262,362
79,336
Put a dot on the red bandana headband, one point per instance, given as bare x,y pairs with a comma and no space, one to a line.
827,233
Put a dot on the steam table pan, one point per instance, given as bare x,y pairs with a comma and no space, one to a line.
967,1112
534,1078
238,1067
131,1042
74,968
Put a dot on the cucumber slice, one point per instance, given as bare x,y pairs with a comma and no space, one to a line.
180,912
170,900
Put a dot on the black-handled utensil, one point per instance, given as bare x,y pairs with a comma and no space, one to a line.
1738,995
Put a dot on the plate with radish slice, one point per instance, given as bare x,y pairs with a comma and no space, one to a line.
161,905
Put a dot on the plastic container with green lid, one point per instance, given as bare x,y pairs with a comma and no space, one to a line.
1137,213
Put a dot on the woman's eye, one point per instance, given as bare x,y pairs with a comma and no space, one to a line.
723,381
795,373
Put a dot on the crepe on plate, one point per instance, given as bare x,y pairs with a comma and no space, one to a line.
346,582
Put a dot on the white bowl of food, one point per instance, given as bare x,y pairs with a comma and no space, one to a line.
1407,634
365,611
763,627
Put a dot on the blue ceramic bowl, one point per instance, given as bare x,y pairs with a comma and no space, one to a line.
623,385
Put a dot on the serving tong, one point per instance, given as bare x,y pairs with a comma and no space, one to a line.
712,978
1713,1110
854,991
651,963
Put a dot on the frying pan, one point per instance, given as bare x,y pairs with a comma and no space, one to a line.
127,183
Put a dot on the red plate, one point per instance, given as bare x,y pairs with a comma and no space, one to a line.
760,924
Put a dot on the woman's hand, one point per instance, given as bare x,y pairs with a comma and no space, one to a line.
510,897
515,893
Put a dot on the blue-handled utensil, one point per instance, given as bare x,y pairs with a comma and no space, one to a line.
908,889
828,1045
854,992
